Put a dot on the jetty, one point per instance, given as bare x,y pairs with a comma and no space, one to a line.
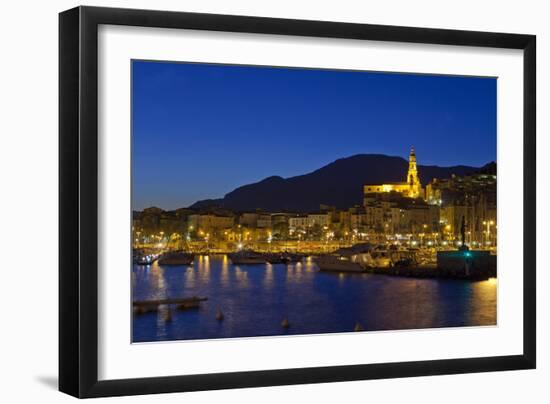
433,272
142,306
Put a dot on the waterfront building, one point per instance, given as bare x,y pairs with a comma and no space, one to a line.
344,221
441,191
169,222
149,219
278,219
359,220
480,220
411,188
298,222
321,219
264,221
249,219
420,217
374,217
153,221
393,213
398,220
211,224
472,197
280,228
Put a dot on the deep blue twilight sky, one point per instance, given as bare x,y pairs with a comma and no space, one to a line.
199,131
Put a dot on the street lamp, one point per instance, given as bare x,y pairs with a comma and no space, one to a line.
447,231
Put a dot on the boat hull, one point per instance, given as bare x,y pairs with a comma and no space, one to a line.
143,261
176,259
334,264
247,258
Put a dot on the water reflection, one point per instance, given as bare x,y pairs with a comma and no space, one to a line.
224,276
255,298
204,268
483,293
189,277
157,281
241,275
268,278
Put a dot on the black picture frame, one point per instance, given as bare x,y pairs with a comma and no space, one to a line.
78,196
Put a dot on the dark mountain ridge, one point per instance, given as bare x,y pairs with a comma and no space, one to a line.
339,184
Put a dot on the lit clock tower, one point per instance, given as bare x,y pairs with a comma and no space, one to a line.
415,187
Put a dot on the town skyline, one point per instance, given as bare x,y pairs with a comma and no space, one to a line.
435,214
236,125
220,196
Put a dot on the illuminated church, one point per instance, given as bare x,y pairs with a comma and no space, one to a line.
409,189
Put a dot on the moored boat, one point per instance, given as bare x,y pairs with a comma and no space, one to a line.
282,258
338,263
246,257
274,258
144,259
293,257
381,259
176,258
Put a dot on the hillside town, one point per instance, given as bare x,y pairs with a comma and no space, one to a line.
403,213
291,201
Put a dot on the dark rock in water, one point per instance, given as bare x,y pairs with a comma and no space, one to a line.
285,323
219,315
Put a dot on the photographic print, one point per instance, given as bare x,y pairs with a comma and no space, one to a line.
272,201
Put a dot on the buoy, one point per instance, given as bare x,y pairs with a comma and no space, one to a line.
285,323
219,315
358,327
168,316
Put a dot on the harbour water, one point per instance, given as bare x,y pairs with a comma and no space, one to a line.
255,299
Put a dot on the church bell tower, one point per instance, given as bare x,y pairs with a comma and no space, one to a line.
412,176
